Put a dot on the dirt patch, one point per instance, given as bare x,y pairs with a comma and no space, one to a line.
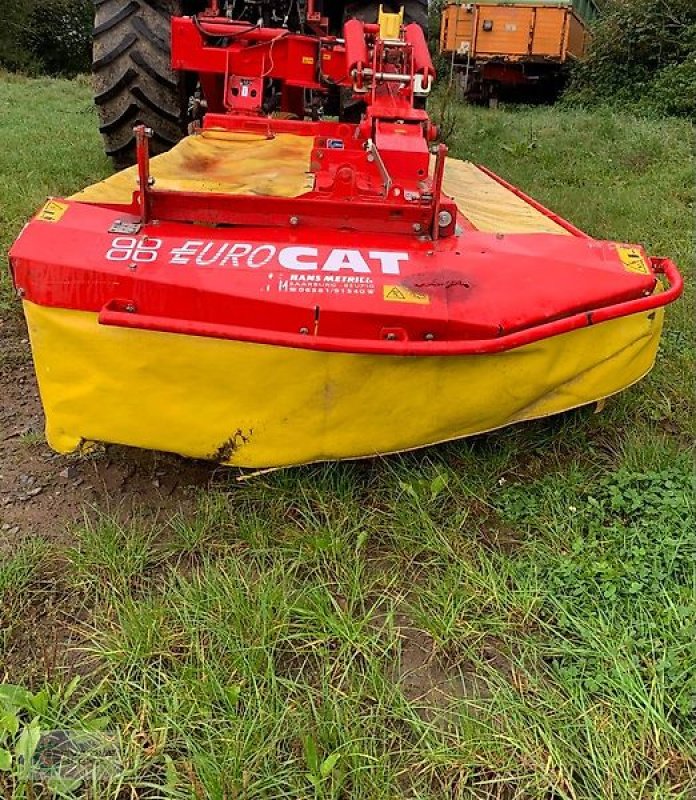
43,494
432,686
50,641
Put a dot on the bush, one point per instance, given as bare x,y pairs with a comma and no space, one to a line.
673,90
49,36
643,52
14,52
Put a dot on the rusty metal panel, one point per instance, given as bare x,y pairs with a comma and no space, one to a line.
577,37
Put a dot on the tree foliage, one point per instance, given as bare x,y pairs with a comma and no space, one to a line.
49,36
643,52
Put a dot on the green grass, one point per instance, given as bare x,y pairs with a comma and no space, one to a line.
19,572
511,616
50,146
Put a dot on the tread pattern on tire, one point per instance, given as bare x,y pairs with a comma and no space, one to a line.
133,81
414,10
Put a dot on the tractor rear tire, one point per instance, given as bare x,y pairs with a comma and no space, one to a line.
417,11
414,11
133,80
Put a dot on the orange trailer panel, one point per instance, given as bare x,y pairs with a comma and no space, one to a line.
503,30
549,33
456,29
577,37
513,32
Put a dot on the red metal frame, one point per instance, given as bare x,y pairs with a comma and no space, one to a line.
360,185
480,293
111,314
369,176
223,52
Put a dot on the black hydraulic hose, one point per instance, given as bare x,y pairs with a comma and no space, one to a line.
231,37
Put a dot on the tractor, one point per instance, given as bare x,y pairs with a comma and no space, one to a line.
134,80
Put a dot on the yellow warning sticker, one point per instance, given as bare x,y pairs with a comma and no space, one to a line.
400,294
632,259
53,211
307,60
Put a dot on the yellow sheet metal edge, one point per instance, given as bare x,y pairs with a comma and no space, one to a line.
490,206
261,406
219,161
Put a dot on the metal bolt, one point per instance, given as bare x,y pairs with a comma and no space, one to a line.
304,331
417,227
20,292
294,220
130,308
150,181
132,266
429,337
444,218
391,337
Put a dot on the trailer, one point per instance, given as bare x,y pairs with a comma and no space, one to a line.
514,49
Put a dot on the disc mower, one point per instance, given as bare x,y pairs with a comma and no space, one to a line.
306,274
